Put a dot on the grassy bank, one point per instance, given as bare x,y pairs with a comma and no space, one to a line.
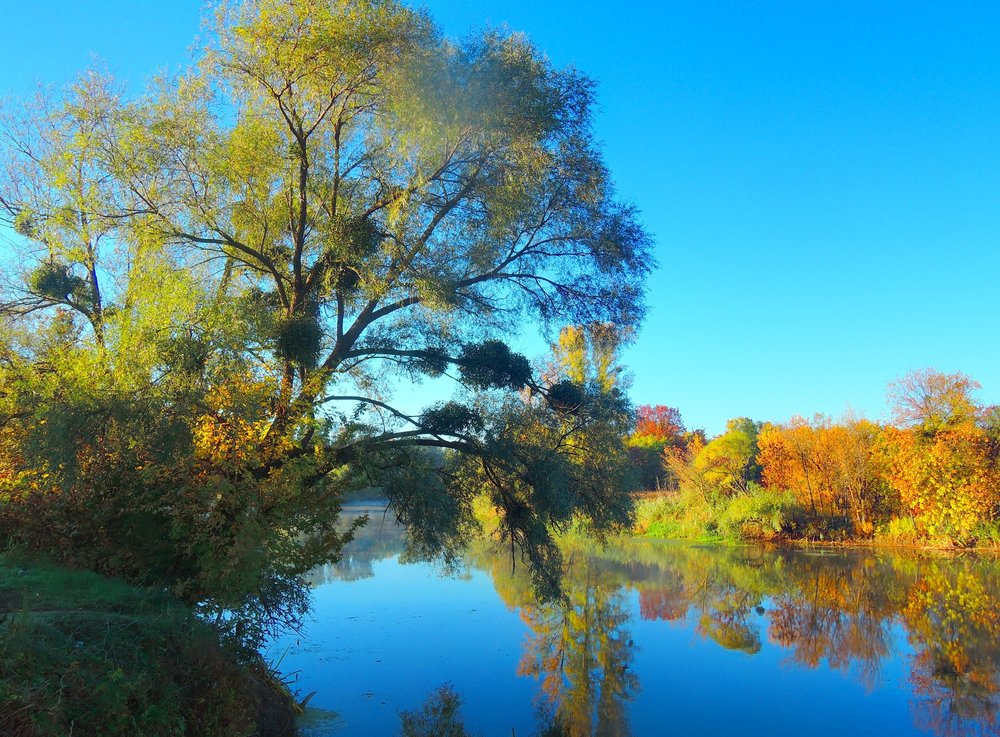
81,654
769,515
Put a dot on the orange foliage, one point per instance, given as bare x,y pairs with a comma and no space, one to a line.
947,482
660,422
831,469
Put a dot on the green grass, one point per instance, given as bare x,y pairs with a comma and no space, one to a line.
760,514
86,655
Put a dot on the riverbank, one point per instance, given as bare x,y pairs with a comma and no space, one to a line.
85,654
773,517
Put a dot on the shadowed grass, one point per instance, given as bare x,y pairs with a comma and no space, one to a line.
86,655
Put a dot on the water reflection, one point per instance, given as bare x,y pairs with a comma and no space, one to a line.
379,539
581,651
856,612
831,610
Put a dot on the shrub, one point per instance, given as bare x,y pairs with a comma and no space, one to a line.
758,514
987,534
686,514
898,531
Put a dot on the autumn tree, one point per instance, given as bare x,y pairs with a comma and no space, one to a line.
661,422
930,401
728,463
790,460
947,483
834,469
249,257
589,353
657,429
943,463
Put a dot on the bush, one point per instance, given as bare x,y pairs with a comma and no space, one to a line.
686,514
987,534
898,531
825,528
758,514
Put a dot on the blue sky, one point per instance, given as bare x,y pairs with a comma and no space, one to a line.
822,178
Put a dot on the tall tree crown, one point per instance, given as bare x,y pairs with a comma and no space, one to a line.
333,197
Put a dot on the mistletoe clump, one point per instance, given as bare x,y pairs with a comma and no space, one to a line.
450,418
493,365
298,339
56,281
565,397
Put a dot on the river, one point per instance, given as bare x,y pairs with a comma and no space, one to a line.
656,638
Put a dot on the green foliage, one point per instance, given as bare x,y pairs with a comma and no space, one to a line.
758,514
729,462
361,235
130,488
987,534
544,472
898,531
187,354
450,418
685,515
439,522
360,199
646,452
25,223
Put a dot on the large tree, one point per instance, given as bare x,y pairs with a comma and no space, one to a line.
334,200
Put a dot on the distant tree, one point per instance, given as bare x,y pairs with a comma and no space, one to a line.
660,422
943,463
589,353
860,474
728,462
832,469
657,429
949,483
789,460
930,401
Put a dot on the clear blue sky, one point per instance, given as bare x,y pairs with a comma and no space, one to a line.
822,178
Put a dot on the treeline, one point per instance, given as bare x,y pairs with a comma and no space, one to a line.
930,476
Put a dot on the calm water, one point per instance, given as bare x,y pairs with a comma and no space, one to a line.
659,638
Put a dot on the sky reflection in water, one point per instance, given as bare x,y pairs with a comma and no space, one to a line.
660,638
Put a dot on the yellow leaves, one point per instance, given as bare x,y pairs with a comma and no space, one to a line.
949,481
227,440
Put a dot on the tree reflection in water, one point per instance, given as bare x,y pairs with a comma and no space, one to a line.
581,650
841,610
830,609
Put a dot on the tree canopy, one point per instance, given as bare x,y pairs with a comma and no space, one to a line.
219,282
